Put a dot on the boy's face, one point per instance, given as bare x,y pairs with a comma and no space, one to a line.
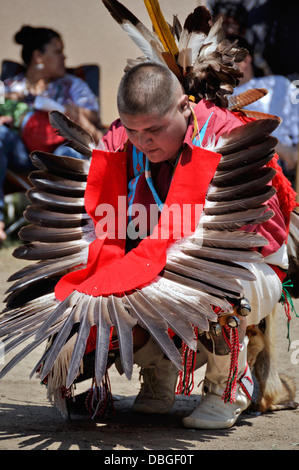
159,138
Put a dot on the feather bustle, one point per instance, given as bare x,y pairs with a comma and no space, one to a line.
124,323
77,137
241,100
104,324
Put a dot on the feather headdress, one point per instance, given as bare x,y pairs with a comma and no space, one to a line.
197,52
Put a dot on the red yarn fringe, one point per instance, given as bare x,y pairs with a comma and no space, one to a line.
231,337
186,376
99,400
285,193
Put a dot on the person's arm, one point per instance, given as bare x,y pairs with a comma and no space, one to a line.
86,118
84,108
288,154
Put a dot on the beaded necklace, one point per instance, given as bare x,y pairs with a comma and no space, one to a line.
197,139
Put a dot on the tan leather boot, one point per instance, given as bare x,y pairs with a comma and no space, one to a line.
157,394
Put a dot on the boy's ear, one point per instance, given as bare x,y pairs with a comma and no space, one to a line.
184,105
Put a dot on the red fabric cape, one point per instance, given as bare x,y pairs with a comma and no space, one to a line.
109,269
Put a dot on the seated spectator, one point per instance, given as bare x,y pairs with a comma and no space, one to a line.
269,26
234,14
279,101
29,97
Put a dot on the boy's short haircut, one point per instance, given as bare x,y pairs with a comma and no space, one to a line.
147,88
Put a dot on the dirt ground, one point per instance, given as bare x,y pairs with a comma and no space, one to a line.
29,422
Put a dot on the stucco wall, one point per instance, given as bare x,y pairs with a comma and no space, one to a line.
90,34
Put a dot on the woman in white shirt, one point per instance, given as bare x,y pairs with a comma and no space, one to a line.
43,86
